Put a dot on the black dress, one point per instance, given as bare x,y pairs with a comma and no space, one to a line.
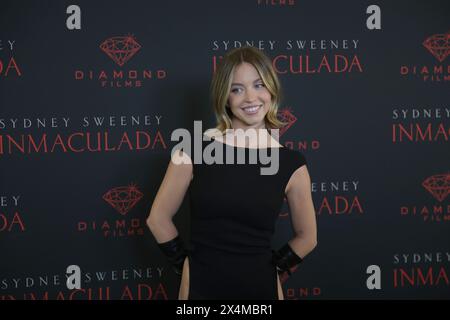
233,215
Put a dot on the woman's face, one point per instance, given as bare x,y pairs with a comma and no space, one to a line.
249,99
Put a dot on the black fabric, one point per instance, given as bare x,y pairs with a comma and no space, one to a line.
175,252
233,215
285,259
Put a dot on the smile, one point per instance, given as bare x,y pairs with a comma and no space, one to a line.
252,109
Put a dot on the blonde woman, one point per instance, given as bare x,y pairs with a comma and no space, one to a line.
233,206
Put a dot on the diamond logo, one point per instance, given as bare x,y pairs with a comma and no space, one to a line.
120,49
438,45
286,115
123,198
438,185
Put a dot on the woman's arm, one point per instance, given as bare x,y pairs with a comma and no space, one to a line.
303,215
169,197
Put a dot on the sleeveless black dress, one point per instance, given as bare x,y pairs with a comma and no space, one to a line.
233,215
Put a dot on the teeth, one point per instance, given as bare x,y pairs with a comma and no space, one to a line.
252,109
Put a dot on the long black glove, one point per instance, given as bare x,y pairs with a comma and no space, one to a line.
175,252
285,259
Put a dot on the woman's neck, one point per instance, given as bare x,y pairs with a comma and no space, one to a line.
237,124
246,138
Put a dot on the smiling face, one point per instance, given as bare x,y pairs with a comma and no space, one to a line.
249,100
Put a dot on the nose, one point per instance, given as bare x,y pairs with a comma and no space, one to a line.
251,95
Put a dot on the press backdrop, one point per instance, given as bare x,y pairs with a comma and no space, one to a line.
90,93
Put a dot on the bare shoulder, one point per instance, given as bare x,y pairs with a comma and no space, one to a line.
179,157
181,165
299,182
213,133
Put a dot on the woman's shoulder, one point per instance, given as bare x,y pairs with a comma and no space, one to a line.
213,133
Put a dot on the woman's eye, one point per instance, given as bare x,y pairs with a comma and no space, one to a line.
259,85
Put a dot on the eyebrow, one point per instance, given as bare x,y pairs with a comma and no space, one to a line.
240,84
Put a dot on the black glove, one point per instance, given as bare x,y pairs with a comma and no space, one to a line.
175,252
285,259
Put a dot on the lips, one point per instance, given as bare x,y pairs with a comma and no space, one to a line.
252,109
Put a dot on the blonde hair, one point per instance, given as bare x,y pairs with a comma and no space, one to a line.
221,85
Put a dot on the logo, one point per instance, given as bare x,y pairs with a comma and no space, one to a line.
286,116
438,45
123,198
120,49
439,187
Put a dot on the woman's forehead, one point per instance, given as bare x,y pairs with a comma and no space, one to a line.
245,73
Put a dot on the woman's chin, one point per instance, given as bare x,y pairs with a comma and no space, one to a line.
253,122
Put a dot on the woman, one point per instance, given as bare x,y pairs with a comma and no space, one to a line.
233,206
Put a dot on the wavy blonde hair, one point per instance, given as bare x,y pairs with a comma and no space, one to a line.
221,85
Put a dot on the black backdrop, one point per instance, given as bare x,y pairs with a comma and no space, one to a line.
85,138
